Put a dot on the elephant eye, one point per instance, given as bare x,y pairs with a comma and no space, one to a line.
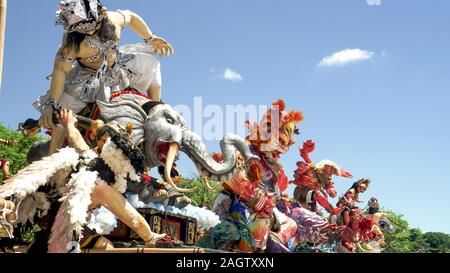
170,120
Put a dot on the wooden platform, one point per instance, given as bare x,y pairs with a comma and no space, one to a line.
23,249
154,250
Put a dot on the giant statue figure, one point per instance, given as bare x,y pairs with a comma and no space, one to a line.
89,65
253,191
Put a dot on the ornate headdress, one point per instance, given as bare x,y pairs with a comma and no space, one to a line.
339,171
278,119
79,15
363,181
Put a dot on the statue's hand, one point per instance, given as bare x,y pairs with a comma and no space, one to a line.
308,147
162,47
331,192
46,119
67,118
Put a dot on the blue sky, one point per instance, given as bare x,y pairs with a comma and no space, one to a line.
385,117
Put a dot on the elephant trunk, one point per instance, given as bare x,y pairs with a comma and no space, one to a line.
193,146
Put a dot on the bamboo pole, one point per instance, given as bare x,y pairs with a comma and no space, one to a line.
3,4
147,250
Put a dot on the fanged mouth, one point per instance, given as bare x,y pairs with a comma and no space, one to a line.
167,153
162,150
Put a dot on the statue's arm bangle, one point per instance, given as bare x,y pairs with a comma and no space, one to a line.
151,38
65,59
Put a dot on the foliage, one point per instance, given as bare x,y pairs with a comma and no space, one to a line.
16,154
438,242
202,196
398,241
418,241
405,239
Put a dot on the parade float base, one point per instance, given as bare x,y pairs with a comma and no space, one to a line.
179,227
177,250
176,226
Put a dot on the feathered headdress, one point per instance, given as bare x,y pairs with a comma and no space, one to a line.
364,181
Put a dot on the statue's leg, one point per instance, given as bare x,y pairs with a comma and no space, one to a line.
57,140
115,202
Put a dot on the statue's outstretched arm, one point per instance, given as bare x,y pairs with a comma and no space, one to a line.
62,66
138,25
308,147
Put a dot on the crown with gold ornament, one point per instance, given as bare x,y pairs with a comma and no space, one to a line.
79,15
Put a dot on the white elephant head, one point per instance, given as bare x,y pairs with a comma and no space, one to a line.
163,133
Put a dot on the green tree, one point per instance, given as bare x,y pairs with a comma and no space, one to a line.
16,154
418,241
405,239
439,242
202,196
398,241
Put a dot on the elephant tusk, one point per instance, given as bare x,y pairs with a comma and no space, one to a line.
171,154
205,180
208,186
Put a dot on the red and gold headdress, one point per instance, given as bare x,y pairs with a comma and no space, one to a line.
277,129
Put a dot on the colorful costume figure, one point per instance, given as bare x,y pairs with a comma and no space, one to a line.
85,181
363,233
89,64
312,229
284,205
350,199
29,127
253,191
314,182
380,223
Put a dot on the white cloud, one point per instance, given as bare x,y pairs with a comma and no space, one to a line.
346,56
374,2
231,75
